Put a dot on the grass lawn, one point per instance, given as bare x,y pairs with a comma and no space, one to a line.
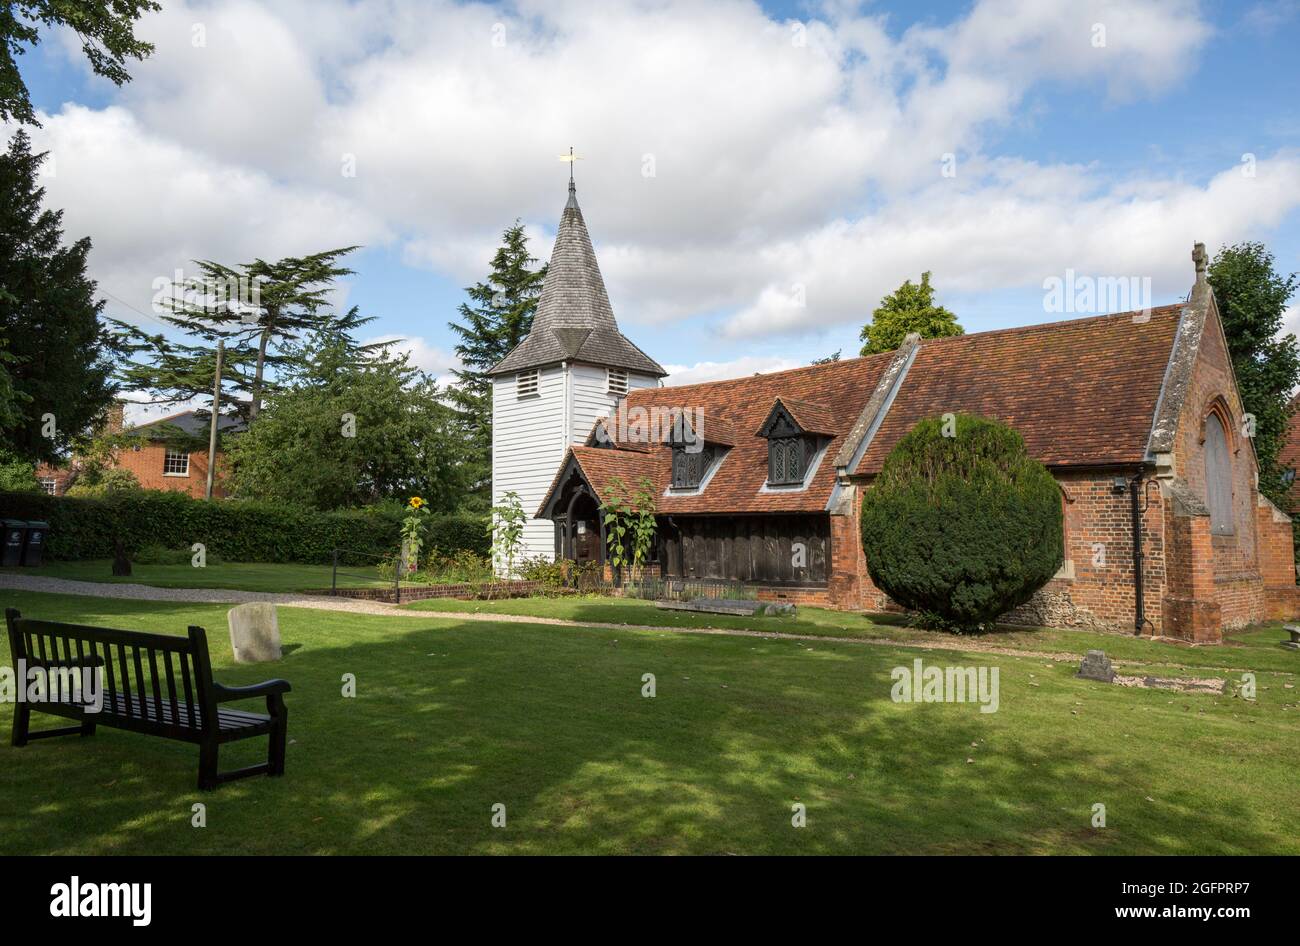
451,718
1255,648
241,576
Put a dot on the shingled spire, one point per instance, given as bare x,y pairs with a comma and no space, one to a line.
574,320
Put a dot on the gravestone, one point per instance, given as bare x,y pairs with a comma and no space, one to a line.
1096,666
254,633
121,560
1294,631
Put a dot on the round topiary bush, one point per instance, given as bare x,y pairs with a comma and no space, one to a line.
961,525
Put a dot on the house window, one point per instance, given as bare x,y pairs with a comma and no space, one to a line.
526,384
787,460
50,485
176,463
617,379
1218,476
690,467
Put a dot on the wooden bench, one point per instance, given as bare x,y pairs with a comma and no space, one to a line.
173,694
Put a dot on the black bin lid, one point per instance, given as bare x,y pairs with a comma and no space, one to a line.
14,523
37,524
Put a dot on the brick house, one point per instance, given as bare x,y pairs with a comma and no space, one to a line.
760,479
169,454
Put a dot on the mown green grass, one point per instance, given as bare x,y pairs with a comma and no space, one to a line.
239,576
451,718
1256,647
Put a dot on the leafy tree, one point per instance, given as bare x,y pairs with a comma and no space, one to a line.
54,351
106,29
1252,297
92,468
343,435
910,308
829,359
106,482
962,525
18,476
497,317
263,312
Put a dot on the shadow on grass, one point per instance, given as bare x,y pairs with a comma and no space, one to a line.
452,719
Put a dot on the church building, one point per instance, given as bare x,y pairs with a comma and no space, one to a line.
759,479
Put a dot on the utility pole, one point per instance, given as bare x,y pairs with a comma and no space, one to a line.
216,412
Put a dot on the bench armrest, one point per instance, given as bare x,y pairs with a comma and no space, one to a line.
271,687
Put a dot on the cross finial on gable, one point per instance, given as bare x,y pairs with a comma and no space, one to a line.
1201,260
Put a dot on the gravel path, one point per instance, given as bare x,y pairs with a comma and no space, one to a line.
95,589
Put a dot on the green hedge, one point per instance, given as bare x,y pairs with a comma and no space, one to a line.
237,530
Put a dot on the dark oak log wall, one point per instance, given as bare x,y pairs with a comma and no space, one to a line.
746,548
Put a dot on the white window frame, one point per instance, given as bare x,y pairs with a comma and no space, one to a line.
50,484
528,384
173,458
616,381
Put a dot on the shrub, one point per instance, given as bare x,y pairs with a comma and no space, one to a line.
236,530
462,566
111,480
962,528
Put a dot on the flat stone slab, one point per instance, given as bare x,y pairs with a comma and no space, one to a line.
1210,685
254,632
1096,666
733,606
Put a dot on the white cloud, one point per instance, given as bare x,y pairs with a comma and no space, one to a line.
731,157
722,370
151,204
1291,321
427,357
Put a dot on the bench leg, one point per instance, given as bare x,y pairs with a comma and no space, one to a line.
22,721
275,751
207,766
87,727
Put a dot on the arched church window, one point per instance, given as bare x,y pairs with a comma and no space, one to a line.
1218,476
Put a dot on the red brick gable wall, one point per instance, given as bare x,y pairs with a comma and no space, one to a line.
147,465
1236,583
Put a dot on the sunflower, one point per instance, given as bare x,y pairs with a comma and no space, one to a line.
416,502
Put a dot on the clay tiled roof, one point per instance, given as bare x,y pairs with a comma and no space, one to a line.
1083,393
812,418
602,466
742,405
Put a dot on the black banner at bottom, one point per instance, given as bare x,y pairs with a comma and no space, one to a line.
138,896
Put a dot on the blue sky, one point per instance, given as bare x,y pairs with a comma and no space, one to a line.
797,152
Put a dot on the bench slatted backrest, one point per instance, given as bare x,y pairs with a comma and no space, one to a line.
139,672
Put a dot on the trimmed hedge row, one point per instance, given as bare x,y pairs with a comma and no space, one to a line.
237,530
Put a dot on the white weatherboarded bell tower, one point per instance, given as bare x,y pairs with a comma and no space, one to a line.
573,368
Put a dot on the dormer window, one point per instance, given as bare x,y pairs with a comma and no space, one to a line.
617,381
526,384
787,460
795,433
691,465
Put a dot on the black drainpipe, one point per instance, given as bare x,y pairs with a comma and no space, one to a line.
1136,509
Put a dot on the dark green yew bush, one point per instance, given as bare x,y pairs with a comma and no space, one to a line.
962,528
